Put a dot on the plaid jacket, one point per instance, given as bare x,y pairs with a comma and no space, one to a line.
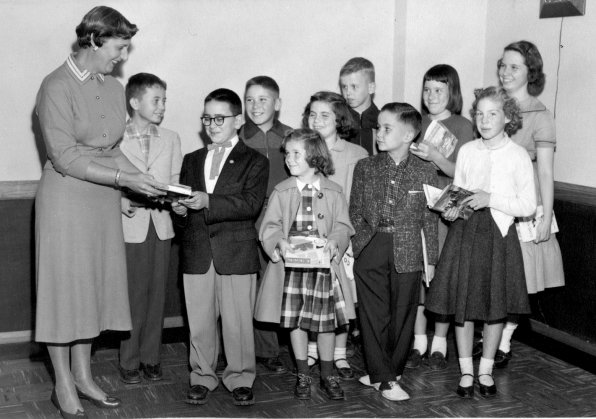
368,193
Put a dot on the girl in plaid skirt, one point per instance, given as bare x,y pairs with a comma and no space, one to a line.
307,204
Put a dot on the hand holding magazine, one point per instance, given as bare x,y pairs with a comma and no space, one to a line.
439,137
452,196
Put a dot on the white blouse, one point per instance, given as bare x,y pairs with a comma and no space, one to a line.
505,172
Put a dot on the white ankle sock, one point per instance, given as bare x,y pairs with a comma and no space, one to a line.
466,366
485,367
508,330
420,343
313,352
439,344
339,353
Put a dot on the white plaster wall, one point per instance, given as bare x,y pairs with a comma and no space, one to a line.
196,46
441,32
513,20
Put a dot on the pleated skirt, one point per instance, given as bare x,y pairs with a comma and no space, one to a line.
480,274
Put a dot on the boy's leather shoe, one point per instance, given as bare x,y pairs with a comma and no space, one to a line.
129,376
243,396
272,364
152,372
197,394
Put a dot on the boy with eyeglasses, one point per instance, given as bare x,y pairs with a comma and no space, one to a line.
220,257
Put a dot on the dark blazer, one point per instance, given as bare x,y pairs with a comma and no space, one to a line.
368,193
225,232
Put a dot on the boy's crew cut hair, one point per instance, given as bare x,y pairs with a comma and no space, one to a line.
137,84
344,121
533,61
103,22
263,81
406,114
228,96
444,73
510,106
317,153
358,64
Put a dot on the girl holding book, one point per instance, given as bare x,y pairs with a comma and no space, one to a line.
520,74
308,299
441,102
480,274
328,113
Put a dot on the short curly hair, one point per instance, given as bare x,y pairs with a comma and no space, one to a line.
533,60
317,153
510,106
344,122
103,22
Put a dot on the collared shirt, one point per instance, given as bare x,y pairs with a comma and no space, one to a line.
367,122
505,172
305,219
82,75
393,174
268,144
210,183
144,138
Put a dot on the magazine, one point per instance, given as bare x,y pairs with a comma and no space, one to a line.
452,196
307,253
440,137
526,226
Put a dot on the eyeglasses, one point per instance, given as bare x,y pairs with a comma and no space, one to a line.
219,120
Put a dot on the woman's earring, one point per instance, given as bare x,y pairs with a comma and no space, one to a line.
95,47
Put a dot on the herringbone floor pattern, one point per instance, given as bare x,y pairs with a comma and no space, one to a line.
533,385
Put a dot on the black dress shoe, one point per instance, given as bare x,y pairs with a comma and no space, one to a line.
487,391
414,359
272,364
66,415
302,388
345,373
466,392
197,394
129,376
477,350
437,361
152,372
502,358
331,388
243,396
110,402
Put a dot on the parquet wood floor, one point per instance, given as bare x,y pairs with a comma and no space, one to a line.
534,385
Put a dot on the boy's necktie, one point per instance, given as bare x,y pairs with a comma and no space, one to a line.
217,157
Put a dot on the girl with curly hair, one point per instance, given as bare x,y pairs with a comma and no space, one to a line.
480,274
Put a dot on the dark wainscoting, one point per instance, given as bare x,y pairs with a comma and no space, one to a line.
565,314
17,263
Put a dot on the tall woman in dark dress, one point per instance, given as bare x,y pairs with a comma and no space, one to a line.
80,257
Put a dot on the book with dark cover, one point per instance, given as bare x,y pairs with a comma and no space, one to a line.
176,192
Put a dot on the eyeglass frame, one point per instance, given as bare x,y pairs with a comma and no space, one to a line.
215,118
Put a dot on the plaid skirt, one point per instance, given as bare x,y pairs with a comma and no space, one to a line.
312,301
